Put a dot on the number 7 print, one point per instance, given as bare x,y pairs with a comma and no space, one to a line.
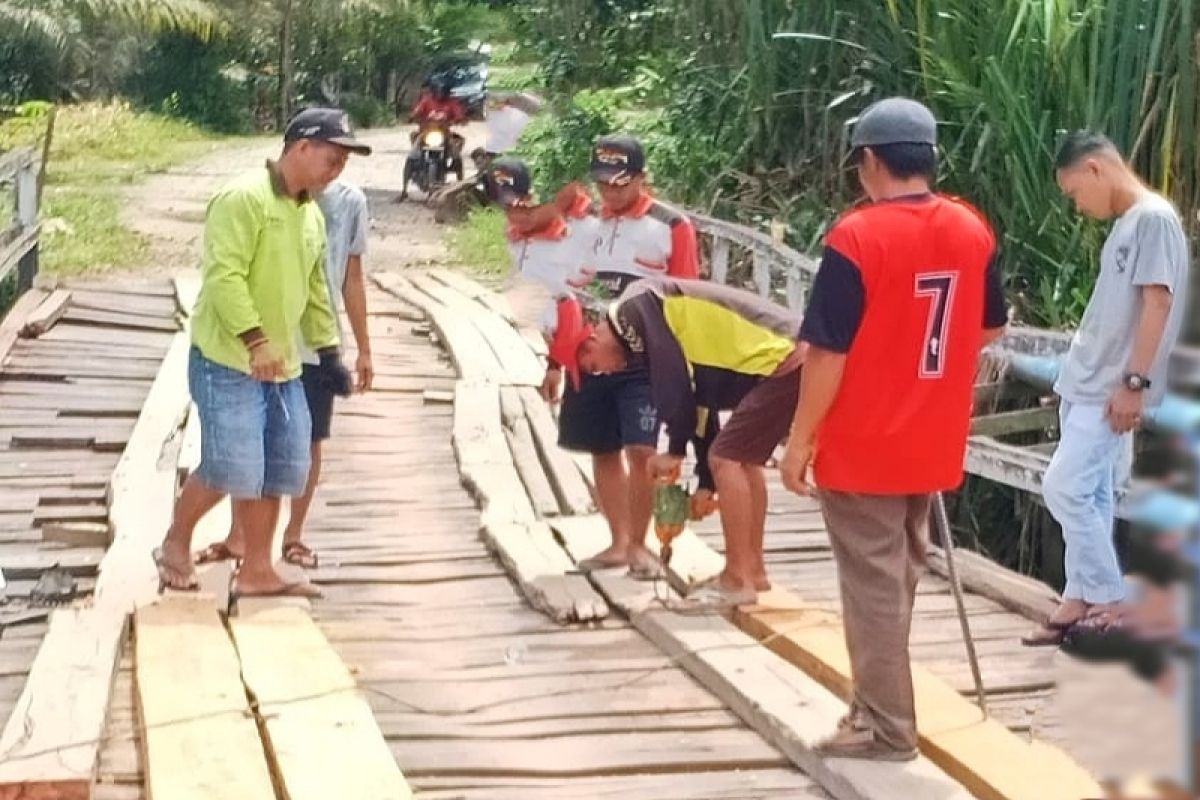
939,288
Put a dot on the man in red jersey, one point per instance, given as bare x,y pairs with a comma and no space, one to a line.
907,294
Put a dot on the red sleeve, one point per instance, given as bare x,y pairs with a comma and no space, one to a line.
422,106
459,112
684,261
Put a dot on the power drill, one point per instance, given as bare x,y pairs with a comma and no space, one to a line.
672,507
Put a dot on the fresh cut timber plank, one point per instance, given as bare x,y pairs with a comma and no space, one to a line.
789,709
321,737
13,321
199,739
982,754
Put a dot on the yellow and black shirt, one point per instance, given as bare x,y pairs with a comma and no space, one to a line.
705,347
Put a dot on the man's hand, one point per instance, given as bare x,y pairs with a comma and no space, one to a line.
551,385
665,467
1124,410
365,371
704,502
793,467
266,363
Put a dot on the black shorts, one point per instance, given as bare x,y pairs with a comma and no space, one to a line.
320,402
608,413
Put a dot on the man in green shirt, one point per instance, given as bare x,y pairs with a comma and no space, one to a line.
263,293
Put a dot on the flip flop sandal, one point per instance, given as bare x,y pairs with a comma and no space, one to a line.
591,564
169,577
215,553
295,589
299,554
647,571
1050,634
713,598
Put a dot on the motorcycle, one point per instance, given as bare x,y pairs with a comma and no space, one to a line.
430,160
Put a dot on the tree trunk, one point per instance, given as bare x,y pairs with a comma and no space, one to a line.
286,68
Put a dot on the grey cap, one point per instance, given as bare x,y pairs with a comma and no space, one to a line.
896,120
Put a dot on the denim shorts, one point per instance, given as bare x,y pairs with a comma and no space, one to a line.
255,437
608,413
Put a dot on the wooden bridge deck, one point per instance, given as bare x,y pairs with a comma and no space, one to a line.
477,694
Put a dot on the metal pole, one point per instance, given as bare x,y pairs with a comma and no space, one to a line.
942,522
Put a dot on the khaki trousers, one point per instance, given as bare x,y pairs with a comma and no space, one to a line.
879,543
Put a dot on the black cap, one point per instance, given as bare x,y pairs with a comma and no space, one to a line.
511,181
617,159
325,125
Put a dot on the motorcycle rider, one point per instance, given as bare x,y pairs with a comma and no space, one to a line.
436,107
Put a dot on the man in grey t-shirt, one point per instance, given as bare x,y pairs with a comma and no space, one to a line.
1115,370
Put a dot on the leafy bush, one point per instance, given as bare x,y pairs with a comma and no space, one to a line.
559,146
366,111
183,76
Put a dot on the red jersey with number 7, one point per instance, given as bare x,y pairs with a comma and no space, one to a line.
904,290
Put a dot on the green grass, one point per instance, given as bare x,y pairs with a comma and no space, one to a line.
97,150
480,244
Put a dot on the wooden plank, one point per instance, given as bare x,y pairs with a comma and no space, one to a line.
78,534
320,734
14,320
520,366
85,316
202,743
45,315
469,351
142,492
496,303
525,457
573,493
1026,596
789,709
1009,422
51,741
983,755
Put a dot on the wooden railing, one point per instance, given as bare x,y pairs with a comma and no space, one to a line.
19,234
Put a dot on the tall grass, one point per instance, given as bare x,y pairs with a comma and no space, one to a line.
756,112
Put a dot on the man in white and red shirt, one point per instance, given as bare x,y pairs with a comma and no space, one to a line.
613,417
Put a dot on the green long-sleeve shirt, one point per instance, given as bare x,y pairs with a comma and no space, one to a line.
264,256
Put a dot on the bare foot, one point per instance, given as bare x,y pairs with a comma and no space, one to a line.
268,583
174,564
609,558
1069,612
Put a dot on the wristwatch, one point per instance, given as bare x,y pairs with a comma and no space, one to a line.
1135,382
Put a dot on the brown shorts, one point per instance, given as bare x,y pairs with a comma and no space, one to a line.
763,418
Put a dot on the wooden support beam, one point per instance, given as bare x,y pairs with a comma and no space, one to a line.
199,737
321,737
987,758
1042,418
988,394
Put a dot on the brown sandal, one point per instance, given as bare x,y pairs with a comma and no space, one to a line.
299,554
